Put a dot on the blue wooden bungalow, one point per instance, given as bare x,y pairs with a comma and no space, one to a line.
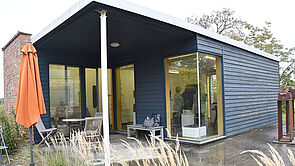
204,86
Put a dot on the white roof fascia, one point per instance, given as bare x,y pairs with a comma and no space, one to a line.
137,9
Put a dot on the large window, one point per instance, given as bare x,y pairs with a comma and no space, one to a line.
194,100
125,96
94,93
65,94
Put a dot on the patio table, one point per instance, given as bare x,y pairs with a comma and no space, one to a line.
73,121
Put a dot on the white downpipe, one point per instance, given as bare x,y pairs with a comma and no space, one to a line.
104,85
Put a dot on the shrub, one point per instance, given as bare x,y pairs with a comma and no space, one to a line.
81,152
74,152
14,135
159,154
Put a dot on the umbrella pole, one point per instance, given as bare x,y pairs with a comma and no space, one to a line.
31,147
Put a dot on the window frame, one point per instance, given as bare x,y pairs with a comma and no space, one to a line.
221,119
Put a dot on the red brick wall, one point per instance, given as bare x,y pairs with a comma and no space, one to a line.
11,64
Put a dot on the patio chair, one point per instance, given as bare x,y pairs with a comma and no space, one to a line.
3,146
92,127
47,132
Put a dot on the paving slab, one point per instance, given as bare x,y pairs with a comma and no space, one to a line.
227,151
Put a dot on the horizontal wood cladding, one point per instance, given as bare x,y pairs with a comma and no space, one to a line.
149,87
209,45
256,79
251,85
150,78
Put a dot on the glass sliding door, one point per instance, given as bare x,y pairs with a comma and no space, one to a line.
125,96
193,96
94,93
110,96
65,94
91,91
73,90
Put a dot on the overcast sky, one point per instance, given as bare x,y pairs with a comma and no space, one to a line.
31,16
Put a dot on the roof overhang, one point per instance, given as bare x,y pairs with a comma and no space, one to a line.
140,10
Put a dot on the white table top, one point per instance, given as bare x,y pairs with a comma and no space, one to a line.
73,120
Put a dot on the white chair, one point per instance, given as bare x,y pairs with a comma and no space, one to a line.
47,132
93,127
3,147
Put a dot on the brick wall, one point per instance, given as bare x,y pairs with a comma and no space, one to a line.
11,65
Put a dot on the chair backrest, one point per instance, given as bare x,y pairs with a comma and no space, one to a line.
2,142
93,125
98,114
40,126
1,136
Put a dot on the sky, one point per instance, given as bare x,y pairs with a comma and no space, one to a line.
31,16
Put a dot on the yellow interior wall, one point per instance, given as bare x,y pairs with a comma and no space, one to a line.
110,94
127,89
90,81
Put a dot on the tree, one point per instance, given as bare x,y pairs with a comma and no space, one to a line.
220,22
225,23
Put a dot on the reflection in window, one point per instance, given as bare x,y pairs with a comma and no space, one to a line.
125,96
110,95
94,93
208,92
65,100
182,73
194,105
91,91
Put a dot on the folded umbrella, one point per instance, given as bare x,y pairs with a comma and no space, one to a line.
30,102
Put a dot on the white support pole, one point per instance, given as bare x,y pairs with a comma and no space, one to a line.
104,84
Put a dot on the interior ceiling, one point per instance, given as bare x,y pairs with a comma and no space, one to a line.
79,35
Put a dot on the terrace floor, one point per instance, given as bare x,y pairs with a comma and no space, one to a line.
227,151
223,152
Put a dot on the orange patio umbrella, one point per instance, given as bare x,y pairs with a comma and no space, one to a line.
30,102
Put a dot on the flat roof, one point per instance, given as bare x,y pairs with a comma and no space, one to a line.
137,9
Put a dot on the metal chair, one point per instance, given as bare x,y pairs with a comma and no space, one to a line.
42,130
3,147
93,127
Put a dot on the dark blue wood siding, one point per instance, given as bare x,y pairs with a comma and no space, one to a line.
150,78
44,72
149,87
251,84
43,69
